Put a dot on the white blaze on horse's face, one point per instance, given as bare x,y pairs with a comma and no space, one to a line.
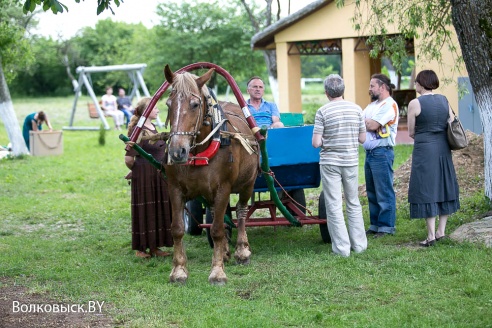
185,116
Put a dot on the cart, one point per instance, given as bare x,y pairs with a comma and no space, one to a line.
294,164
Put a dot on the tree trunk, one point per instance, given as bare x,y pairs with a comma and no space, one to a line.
472,20
269,55
9,119
271,61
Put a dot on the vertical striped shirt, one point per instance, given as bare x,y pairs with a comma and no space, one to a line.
340,123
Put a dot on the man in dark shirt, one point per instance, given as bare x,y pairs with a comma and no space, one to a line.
125,105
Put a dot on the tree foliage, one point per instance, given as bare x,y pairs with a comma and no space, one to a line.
261,18
214,31
15,51
429,21
46,74
320,66
58,7
432,22
108,43
188,32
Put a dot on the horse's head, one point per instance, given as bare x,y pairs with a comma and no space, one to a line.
187,107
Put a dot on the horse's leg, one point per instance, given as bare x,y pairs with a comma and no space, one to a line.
179,272
225,244
217,231
243,252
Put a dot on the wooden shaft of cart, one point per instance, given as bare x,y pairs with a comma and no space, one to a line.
158,165
249,118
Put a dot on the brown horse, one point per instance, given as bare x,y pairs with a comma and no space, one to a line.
232,170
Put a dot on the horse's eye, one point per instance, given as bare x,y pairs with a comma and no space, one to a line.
194,105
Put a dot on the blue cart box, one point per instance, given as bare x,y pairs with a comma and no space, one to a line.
292,158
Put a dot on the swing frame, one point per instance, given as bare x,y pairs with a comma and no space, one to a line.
135,73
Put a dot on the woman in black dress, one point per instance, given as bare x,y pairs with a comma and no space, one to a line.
150,205
433,190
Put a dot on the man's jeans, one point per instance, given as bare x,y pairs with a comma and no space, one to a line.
128,115
379,186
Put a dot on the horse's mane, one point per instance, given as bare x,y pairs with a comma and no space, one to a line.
185,83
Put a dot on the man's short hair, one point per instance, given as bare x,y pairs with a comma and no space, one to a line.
254,78
334,86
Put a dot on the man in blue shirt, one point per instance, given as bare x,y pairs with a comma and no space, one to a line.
265,113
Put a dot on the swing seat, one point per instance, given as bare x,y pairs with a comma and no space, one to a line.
92,110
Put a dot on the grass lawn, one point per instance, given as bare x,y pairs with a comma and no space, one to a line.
65,233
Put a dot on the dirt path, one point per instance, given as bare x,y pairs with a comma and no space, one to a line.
15,301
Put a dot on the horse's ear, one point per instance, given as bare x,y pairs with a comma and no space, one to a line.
168,74
204,78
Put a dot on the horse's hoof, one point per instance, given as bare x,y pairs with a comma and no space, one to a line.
178,275
217,277
217,283
242,256
177,280
243,261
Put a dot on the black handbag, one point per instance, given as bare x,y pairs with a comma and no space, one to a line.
456,134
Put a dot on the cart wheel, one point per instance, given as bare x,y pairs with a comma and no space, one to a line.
228,230
193,216
299,196
323,228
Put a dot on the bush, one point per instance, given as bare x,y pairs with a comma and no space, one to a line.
102,135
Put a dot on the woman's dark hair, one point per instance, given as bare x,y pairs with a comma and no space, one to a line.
428,79
41,116
384,80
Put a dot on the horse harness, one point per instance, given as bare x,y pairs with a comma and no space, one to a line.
219,134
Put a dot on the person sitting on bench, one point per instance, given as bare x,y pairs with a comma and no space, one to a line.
125,105
264,112
110,108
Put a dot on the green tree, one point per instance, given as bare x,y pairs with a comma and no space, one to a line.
260,19
14,53
108,43
320,66
198,31
216,31
57,7
432,21
46,76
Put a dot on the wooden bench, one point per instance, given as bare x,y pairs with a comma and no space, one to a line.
92,110
94,114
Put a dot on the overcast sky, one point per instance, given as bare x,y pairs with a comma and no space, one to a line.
83,14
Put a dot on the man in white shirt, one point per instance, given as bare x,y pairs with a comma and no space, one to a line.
381,119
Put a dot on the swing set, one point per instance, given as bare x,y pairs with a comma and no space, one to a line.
135,74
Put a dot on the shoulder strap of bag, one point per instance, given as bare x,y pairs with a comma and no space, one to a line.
449,107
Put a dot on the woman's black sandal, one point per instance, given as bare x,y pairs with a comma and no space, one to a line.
427,243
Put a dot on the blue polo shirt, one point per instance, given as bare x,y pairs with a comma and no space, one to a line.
263,116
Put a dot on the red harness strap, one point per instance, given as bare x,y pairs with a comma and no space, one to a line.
202,158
